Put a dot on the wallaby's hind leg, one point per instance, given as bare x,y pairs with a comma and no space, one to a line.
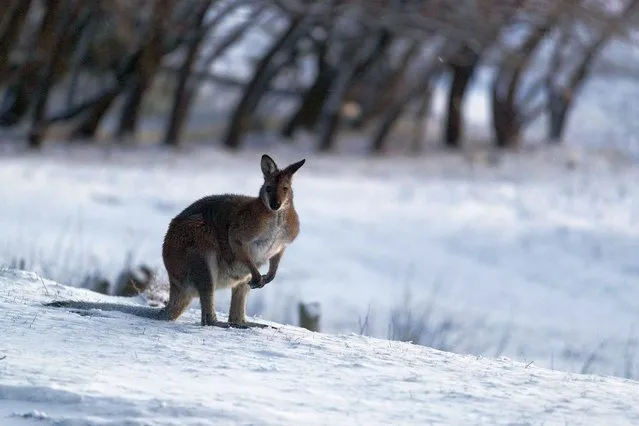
201,277
180,297
207,301
237,311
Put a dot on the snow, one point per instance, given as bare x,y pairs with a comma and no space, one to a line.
111,368
528,259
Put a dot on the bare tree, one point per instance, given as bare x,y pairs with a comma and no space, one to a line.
495,18
101,54
314,97
19,95
509,116
265,71
11,23
363,57
571,64
181,98
151,54
51,63
419,89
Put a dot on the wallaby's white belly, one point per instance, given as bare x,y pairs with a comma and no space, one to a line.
268,244
263,250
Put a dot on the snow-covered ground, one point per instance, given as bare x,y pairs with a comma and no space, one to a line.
62,369
528,259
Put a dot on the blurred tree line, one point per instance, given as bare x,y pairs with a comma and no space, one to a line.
365,64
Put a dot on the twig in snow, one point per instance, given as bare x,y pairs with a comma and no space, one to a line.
46,289
585,369
364,325
503,342
629,355
34,318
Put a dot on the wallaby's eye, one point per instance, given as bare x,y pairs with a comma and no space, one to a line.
269,189
285,189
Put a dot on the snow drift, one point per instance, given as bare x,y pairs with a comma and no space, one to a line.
111,368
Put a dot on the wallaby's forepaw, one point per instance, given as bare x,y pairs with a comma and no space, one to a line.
258,282
268,278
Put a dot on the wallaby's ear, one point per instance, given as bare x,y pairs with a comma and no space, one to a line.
268,165
294,167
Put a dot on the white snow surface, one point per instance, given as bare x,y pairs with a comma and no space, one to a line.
528,259
61,368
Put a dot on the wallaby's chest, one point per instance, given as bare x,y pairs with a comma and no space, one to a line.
270,241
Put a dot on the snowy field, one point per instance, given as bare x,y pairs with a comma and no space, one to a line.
60,368
530,259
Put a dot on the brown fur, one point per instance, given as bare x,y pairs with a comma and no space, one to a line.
220,241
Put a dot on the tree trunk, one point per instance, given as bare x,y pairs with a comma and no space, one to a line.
95,109
12,23
175,128
504,115
130,112
387,122
462,75
313,98
180,106
80,52
232,37
14,107
396,109
558,106
508,119
21,93
121,77
15,103
311,105
89,125
372,49
182,98
384,88
421,121
151,54
264,72
38,123
560,101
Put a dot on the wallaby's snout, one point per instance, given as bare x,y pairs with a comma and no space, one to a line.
276,191
275,205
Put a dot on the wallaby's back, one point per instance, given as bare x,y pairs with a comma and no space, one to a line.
202,227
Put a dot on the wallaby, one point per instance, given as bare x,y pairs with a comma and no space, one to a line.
218,242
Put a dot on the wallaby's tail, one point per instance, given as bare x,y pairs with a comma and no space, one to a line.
140,311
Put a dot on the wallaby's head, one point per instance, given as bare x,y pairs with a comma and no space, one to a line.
277,191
